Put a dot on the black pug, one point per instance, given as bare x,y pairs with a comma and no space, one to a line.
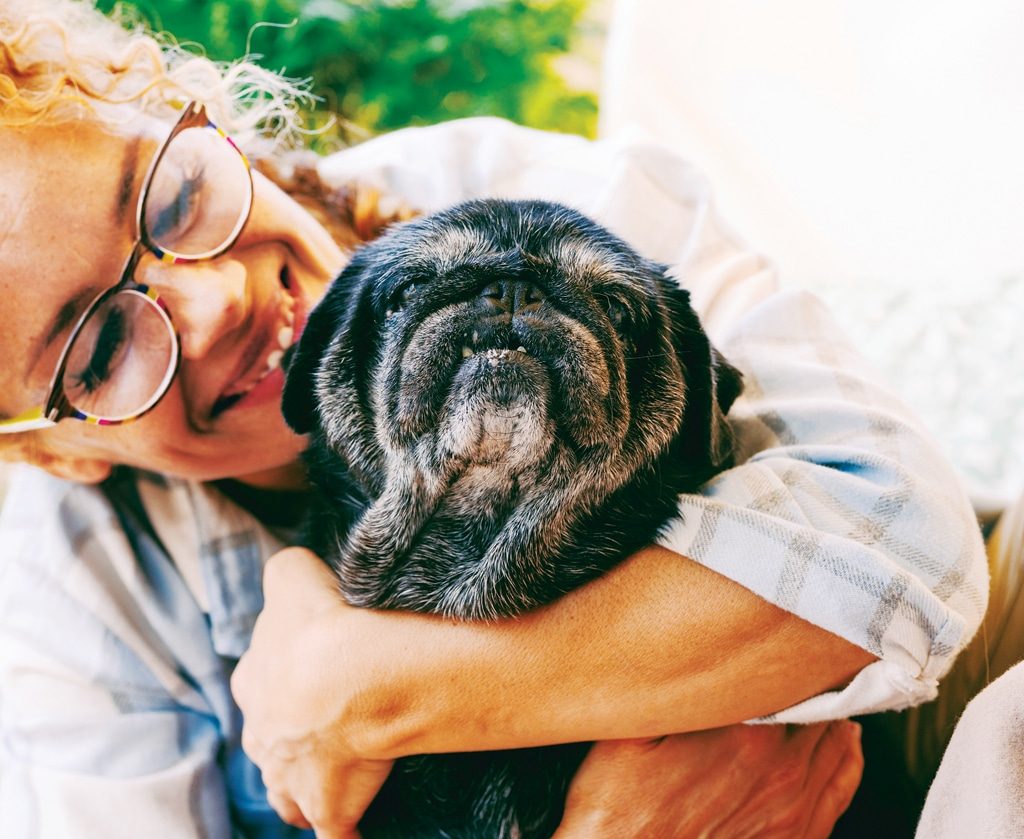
504,400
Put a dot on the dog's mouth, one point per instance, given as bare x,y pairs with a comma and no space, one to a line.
490,353
498,409
494,360
495,354
496,343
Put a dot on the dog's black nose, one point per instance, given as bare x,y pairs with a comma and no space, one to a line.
513,296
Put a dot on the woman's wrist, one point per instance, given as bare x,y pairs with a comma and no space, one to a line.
415,683
394,674
426,684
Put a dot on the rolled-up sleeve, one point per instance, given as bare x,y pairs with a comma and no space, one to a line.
841,511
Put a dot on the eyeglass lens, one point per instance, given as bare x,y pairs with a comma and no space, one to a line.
124,355
120,358
199,195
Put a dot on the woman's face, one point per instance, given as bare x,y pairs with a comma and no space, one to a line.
67,222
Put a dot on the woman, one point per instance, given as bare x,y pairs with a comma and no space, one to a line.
838,569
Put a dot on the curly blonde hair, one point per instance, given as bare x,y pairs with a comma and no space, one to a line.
63,60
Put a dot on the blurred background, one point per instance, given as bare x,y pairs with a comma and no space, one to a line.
386,64
871,149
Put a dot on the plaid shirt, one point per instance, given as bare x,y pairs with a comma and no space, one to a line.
122,613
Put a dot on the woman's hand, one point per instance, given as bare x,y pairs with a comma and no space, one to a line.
296,728
731,783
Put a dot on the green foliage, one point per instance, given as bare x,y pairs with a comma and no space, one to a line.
386,64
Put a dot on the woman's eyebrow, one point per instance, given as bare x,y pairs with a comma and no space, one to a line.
65,317
129,172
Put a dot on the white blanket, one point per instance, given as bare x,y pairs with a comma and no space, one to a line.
979,789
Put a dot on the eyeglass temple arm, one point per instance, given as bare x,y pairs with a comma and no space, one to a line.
27,421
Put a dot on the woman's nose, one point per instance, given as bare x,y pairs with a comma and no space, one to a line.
207,300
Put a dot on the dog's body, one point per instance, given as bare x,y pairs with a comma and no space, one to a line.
505,400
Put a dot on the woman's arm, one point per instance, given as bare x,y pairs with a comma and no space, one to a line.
700,650
331,693
841,510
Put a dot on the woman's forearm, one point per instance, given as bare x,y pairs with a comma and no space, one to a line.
659,645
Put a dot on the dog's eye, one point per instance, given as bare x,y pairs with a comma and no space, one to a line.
615,310
616,314
400,299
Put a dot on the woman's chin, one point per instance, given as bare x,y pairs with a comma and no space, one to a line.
252,443
291,476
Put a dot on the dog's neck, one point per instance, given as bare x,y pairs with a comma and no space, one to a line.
439,524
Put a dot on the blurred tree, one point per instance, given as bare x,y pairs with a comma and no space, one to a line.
386,64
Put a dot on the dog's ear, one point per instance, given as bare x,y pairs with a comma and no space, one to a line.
726,385
712,383
330,316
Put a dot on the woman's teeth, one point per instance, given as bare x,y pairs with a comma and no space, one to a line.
275,352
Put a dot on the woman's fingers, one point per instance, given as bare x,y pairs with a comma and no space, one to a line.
740,782
294,689
334,797
841,750
287,809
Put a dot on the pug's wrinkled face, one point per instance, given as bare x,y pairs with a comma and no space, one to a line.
504,398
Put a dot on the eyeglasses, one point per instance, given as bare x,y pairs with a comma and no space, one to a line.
123,352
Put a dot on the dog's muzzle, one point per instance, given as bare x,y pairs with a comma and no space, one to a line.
495,373
498,408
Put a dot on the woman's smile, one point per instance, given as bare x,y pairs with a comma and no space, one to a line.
264,348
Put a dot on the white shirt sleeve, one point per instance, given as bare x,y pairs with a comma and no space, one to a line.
840,509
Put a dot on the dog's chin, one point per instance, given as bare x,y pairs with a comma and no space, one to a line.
498,411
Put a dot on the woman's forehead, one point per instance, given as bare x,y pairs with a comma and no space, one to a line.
67,183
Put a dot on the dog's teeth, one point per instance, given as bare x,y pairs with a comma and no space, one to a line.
467,352
521,349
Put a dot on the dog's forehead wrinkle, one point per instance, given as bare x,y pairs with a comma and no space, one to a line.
447,246
591,265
